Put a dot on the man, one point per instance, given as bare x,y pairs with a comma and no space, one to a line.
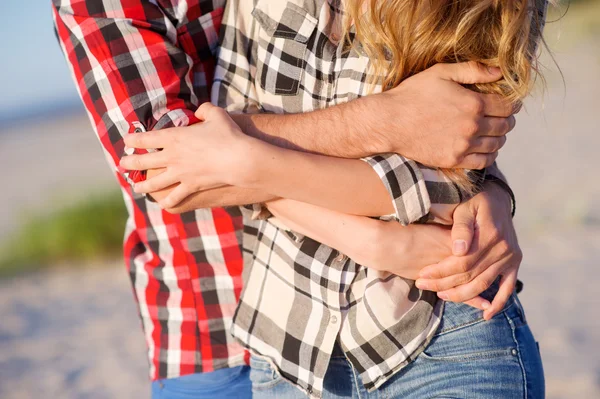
147,65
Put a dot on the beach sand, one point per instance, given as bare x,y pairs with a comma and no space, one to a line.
74,333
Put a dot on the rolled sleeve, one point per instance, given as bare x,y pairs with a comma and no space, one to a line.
138,67
405,183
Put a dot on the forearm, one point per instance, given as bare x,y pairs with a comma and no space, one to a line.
347,130
382,246
343,185
221,197
215,198
354,236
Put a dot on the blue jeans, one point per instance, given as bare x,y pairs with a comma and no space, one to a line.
230,383
467,358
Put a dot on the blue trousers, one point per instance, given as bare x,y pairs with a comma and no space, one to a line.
467,358
231,383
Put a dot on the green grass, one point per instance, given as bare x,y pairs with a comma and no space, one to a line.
90,230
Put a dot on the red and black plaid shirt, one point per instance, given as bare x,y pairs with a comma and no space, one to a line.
147,65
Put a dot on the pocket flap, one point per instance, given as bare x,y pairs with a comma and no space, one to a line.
285,20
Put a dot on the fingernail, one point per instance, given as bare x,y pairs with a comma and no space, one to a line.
459,247
486,305
129,150
443,295
493,70
422,285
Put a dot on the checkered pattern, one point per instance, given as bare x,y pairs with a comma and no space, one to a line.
142,64
299,295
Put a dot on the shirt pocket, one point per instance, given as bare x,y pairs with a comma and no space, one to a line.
283,42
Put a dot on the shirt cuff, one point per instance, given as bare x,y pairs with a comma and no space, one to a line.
404,182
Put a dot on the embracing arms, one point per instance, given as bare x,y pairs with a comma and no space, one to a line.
426,113
425,252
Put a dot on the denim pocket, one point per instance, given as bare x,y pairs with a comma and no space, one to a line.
465,336
262,374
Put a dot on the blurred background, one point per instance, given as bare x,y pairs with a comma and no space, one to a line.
68,323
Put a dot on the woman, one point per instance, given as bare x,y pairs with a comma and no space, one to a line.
346,319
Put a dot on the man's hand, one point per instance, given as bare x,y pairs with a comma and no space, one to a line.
201,157
434,120
485,247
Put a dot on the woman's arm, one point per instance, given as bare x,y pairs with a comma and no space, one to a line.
216,153
217,197
384,246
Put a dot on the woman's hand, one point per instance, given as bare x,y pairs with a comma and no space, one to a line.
405,250
486,247
204,156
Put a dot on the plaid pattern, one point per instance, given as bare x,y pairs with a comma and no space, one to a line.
141,64
299,295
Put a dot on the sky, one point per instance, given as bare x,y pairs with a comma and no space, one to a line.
33,72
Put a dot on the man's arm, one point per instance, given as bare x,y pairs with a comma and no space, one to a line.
134,63
350,184
429,118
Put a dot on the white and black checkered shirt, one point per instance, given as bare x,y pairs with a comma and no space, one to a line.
300,295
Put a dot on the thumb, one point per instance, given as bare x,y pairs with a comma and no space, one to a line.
204,110
463,230
468,72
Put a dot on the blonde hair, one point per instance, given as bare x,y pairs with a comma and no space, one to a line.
405,37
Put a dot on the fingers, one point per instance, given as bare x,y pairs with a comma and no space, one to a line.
478,161
508,283
479,284
176,196
478,303
156,183
204,110
488,144
443,283
496,105
496,127
451,266
467,72
153,160
148,140
463,230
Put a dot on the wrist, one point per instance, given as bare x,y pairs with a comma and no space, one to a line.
255,156
366,118
499,193
388,239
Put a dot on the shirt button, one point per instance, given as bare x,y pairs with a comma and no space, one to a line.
333,319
